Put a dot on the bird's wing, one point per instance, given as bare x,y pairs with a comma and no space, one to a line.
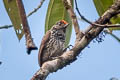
44,41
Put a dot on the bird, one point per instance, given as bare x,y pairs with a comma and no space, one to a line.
53,42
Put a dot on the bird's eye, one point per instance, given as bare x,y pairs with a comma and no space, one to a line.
59,34
59,23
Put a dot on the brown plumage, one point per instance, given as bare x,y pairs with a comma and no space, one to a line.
53,42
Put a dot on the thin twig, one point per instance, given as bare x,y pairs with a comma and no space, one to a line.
36,9
113,35
95,24
6,26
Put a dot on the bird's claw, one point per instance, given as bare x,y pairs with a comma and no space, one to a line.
68,47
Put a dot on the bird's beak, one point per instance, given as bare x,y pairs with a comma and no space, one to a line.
66,25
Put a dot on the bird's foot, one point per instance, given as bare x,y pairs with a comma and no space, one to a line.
68,47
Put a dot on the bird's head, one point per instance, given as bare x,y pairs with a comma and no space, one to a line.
62,24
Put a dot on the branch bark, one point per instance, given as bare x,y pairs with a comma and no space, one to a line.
68,6
70,56
29,41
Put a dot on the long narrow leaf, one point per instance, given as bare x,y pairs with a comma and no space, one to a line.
13,13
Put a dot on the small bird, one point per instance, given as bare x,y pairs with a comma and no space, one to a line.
53,42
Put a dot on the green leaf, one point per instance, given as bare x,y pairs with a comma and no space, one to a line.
56,12
13,13
102,6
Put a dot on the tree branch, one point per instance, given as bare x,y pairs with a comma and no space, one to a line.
105,18
29,41
95,24
36,9
70,56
